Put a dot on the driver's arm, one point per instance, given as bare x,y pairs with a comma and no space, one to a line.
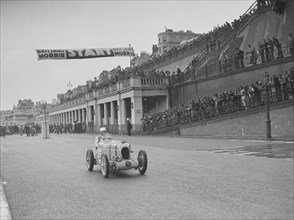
97,140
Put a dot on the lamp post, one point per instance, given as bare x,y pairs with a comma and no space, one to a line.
45,119
131,63
268,120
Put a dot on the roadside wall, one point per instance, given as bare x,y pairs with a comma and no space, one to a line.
247,125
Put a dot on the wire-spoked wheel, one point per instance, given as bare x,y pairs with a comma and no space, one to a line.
142,160
105,165
90,160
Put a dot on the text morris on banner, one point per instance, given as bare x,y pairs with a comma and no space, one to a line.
84,53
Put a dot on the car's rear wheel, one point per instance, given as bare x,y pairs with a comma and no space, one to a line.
105,165
90,160
142,159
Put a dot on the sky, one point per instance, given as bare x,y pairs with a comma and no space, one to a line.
64,24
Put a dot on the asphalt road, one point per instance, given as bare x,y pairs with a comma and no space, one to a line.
186,178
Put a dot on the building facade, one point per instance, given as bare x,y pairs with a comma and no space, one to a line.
24,112
111,106
170,39
24,105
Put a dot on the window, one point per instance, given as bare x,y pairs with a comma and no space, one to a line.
164,49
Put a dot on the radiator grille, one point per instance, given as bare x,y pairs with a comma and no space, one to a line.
125,153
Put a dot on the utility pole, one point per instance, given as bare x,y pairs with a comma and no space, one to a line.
130,57
268,120
45,135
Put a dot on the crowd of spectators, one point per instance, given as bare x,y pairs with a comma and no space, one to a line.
9,130
29,129
266,52
213,37
269,50
67,128
239,58
33,129
119,74
281,87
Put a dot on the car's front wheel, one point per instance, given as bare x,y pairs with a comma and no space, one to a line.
142,159
105,165
90,160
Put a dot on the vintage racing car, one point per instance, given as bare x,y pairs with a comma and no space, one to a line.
115,155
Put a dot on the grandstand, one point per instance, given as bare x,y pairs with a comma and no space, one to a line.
215,79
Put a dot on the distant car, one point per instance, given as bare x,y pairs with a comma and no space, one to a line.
116,155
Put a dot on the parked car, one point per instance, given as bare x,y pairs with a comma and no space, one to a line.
115,155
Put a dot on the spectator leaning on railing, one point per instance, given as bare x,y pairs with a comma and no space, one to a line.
244,97
270,49
279,47
253,54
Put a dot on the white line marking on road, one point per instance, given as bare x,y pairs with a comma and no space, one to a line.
265,141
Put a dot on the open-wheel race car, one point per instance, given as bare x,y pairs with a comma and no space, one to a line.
115,155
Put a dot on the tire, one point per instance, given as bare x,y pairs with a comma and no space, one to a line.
90,160
143,161
105,165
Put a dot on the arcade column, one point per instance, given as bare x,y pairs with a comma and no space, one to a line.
167,102
65,117
119,120
99,118
89,114
79,115
83,114
76,115
112,112
71,117
123,112
137,114
96,114
106,122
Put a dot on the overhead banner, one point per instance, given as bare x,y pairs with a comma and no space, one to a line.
84,53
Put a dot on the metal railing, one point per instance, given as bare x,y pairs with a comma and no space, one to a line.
223,107
146,82
235,63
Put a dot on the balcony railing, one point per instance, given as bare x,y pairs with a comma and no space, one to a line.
136,82
149,82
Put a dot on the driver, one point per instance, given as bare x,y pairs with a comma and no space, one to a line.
99,138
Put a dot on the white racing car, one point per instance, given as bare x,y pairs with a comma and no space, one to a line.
115,156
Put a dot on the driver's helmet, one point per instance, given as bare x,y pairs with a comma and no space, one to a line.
103,129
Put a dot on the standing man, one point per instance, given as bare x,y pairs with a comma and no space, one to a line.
279,47
267,50
261,52
253,53
129,127
291,43
224,61
271,49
